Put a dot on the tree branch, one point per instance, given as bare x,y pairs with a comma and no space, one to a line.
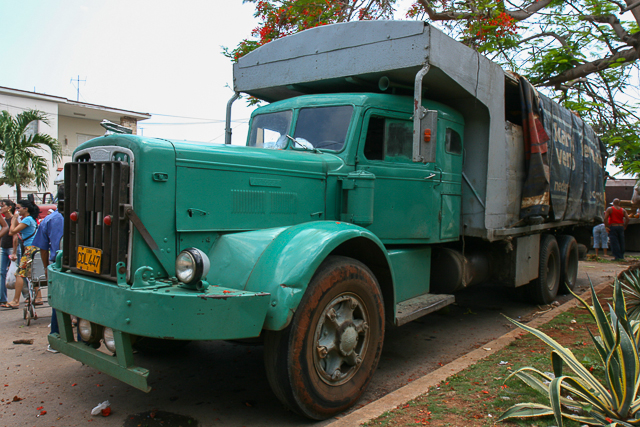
522,14
629,7
442,16
583,70
562,40
614,22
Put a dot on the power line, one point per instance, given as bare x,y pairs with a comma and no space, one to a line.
209,121
241,121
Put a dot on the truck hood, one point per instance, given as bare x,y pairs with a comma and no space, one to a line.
277,160
232,188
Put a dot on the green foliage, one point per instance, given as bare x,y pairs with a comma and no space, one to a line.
23,164
581,397
631,290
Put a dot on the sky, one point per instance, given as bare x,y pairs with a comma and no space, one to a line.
159,57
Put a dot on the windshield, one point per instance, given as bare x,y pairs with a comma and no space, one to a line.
324,127
319,127
266,129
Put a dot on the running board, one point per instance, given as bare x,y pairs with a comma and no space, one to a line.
413,308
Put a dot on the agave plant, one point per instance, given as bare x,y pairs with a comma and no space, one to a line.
631,290
580,396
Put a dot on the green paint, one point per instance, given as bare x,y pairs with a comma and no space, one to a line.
411,267
172,312
267,219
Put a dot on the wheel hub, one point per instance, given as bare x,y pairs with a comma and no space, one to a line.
348,341
341,337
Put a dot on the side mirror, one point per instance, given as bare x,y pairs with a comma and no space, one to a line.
425,136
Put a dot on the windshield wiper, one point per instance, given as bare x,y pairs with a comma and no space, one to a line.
304,146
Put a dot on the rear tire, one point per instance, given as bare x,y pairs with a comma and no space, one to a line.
569,256
544,289
323,361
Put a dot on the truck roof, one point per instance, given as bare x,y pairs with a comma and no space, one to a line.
354,56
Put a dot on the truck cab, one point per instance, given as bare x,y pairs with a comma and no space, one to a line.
373,135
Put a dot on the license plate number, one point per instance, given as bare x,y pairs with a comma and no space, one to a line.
89,259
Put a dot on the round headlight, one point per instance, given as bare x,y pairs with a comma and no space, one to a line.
89,332
191,265
109,340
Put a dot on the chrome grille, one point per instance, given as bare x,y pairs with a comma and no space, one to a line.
94,190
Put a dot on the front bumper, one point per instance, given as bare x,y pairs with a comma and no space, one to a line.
170,312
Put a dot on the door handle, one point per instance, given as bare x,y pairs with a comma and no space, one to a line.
439,170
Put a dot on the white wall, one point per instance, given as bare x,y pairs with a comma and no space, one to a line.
69,129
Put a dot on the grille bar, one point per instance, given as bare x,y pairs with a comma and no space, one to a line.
94,190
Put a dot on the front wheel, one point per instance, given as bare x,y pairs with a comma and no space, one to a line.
323,361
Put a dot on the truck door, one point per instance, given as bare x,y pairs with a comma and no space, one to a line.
407,194
449,156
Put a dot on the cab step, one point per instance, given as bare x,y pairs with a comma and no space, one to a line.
413,308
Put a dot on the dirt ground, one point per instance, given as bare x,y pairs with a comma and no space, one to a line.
221,383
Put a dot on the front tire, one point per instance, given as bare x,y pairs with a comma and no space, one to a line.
544,289
323,361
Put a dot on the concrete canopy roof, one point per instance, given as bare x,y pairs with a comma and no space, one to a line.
81,110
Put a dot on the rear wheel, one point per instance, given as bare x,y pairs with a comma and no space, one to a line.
28,314
544,289
323,361
569,256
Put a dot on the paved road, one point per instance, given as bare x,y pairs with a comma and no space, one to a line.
223,384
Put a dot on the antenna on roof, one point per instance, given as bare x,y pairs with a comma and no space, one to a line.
77,86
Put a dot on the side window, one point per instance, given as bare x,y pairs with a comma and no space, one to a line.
453,143
399,143
389,140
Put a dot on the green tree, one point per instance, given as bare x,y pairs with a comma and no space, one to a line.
20,150
582,53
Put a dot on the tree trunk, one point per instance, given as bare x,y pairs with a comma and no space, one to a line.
18,192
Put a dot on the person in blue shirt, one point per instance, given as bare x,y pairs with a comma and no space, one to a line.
27,227
48,239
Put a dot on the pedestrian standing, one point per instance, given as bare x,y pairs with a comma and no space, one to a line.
27,227
616,220
48,239
5,239
600,238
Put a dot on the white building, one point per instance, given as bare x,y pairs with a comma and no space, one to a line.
70,122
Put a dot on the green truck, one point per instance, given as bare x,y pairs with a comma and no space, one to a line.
391,167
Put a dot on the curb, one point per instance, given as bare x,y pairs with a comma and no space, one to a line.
420,386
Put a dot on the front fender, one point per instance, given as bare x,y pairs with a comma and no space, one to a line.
288,263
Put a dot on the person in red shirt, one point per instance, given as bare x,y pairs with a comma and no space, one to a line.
615,221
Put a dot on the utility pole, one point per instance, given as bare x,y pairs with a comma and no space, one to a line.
78,87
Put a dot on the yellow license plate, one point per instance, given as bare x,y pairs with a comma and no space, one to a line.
89,259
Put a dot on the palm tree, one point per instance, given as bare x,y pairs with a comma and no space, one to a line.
23,165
